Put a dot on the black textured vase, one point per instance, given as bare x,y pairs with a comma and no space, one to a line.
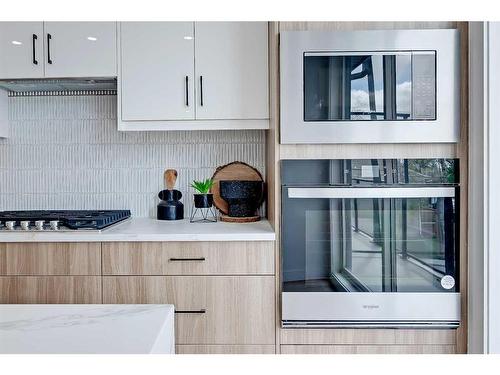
243,197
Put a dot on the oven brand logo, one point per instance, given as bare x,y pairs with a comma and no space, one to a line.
371,307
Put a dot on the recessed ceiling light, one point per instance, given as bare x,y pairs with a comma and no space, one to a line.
187,37
17,43
92,38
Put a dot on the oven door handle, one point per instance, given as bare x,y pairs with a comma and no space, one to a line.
371,192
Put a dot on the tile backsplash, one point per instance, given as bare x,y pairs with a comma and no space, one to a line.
65,152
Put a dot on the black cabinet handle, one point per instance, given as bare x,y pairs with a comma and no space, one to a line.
201,91
201,311
187,91
202,259
49,37
35,61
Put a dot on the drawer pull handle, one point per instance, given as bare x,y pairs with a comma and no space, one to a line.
187,259
201,311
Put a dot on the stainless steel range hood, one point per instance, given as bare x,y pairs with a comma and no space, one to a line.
57,85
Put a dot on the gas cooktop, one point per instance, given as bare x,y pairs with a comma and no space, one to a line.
61,220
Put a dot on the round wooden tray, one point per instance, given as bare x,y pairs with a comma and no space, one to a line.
236,170
230,219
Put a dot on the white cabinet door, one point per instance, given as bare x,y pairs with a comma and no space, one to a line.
80,49
231,70
21,50
157,71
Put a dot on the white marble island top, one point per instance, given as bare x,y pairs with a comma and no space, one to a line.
145,229
76,329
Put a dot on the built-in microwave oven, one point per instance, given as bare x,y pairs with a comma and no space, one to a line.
384,86
370,243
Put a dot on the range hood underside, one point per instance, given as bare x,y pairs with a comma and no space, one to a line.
57,84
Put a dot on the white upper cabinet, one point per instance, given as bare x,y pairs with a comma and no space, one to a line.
57,49
231,69
21,50
193,75
157,71
80,49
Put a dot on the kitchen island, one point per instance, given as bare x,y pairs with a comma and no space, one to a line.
89,329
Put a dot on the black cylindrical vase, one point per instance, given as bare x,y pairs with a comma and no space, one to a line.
170,210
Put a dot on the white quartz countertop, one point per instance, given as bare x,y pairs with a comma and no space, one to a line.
145,229
91,329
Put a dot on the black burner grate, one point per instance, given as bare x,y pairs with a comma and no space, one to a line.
80,219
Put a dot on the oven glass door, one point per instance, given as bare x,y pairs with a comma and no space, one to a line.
369,86
369,239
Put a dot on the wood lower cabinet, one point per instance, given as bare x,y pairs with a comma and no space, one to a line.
367,341
188,258
235,310
50,258
367,336
225,349
368,349
223,292
316,336
50,289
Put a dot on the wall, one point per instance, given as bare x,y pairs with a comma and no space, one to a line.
64,152
492,181
484,257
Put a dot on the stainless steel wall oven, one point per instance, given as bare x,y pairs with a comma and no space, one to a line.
370,243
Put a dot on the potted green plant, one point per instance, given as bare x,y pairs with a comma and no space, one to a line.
203,199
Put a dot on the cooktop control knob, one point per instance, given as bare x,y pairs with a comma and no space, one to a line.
25,225
10,225
39,224
54,224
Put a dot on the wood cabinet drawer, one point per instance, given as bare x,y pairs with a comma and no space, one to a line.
50,289
225,349
50,258
368,349
209,310
188,258
375,337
